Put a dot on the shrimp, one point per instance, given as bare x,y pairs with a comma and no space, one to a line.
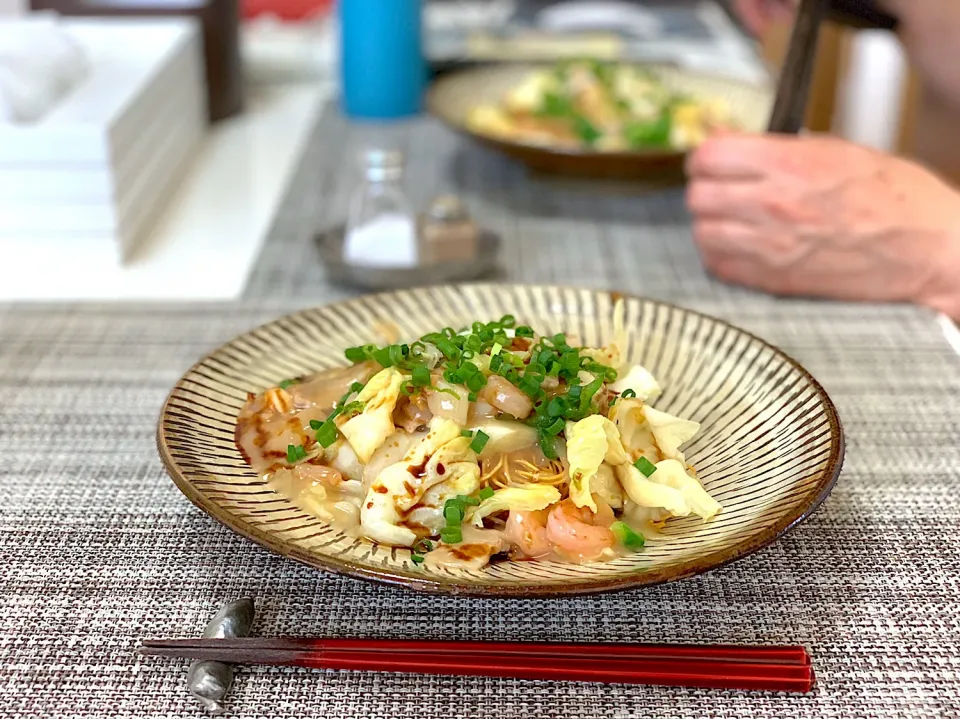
527,533
506,397
578,533
272,421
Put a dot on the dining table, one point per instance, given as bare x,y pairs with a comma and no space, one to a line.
100,550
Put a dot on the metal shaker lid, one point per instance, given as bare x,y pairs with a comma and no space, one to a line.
447,208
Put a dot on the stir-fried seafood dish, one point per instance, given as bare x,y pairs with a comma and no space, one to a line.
605,107
487,441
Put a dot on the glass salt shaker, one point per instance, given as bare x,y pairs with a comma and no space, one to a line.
381,227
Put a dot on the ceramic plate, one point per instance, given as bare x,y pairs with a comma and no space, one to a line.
453,96
769,450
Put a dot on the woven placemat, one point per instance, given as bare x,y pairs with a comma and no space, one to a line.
100,550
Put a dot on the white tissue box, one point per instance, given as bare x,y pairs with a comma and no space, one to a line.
105,160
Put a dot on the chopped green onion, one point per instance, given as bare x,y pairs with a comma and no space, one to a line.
476,382
295,453
486,493
555,427
530,386
628,394
479,441
382,357
468,369
496,362
508,321
420,376
417,349
548,445
468,501
423,546
453,515
645,466
356,387
523,331
286,383
466,433
556,407
353,407
315,424
495,350
407,389
513,359
472,397
626,536
535,369
448,348
451,535
588,392
570,362
355,354
327,434
416,558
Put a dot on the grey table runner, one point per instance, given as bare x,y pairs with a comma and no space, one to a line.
100,550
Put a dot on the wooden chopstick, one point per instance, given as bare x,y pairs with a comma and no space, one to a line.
789,107
712,666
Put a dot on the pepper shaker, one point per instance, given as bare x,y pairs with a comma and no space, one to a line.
447,232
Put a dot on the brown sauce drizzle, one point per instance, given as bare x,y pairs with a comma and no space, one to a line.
418,470
467,552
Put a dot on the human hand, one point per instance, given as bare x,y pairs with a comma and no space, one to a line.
758,15
819,216
930,31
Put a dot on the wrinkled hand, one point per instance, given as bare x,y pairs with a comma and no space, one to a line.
819,216
758,15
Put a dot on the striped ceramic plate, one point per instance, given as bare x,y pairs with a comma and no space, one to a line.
770,448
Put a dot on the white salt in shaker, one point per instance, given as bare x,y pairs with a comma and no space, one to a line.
381,227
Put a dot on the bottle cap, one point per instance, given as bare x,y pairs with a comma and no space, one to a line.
381,165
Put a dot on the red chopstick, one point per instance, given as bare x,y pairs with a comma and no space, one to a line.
710,666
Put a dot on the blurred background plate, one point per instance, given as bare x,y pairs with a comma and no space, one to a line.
453,96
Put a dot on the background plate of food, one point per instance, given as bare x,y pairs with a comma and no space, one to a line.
596,119
501,440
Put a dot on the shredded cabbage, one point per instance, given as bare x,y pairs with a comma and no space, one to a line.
650,433
640,381
369,429
671,473
645,493
613,354
590,442
397,489
505,436
670,432
519,499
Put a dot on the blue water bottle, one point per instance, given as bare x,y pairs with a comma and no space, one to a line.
383,71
